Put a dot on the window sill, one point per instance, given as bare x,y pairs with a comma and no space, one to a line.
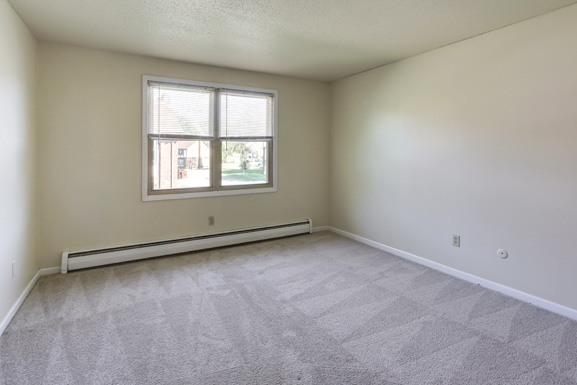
206,194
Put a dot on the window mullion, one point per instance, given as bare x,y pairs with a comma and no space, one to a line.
216,145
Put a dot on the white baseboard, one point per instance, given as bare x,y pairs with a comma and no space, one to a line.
19,301
318,229
49,270
509,291
14,309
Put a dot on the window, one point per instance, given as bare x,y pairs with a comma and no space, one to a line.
206,139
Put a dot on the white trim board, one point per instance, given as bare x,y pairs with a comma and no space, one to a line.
14,309
509,291
50,270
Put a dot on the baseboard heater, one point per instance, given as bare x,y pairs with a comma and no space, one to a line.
92,258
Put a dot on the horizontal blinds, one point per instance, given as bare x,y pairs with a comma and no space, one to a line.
180,110
245,115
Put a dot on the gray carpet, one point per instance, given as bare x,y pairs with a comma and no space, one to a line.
313,309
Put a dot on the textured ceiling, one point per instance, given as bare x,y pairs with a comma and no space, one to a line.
315,39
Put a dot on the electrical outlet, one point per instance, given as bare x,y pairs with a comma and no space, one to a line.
456,240
211,220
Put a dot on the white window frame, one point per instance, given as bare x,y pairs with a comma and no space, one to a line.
242,189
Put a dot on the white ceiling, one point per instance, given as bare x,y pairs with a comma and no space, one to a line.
314,39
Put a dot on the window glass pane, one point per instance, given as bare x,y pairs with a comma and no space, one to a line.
180,111
244,163
180,164
245,115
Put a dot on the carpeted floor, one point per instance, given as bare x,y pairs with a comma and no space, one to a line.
313,309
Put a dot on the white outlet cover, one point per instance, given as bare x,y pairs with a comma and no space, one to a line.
502,253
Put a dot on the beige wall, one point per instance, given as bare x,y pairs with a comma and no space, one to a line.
17,156
479,139
90,154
